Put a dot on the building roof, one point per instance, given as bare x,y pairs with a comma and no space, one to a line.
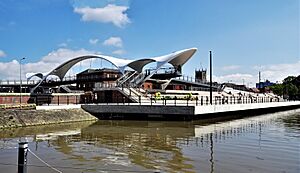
177,59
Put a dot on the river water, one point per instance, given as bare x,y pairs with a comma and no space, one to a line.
265,143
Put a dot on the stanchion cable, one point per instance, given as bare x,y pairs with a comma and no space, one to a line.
77,168
44,161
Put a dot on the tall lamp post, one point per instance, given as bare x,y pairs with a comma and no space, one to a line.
21,82
210,76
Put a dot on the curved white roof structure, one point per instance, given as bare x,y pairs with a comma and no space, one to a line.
177,59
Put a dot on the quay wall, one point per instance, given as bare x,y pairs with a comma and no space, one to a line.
208,109
22,118
192,112
137,109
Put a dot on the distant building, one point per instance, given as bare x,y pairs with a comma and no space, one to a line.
267,83
237,87
88,79
200,75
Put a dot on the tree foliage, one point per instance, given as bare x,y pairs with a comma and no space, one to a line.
290,87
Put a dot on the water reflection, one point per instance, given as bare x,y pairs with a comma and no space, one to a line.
175,146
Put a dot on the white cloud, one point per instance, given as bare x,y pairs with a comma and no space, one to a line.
62,45
2,53
93,41
231,67
272,72
10,70
119,52
238,78
110,13
113,41
277,72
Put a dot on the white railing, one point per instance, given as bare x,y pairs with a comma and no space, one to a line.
18,82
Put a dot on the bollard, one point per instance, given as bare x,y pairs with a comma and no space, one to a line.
22,158
140,100
175,98
201,100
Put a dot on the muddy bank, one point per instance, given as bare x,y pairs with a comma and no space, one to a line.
23,118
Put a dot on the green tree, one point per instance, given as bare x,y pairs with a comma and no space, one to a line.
289,79
291,89
277,89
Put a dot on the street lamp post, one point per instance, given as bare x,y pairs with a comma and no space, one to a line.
21,82
210,76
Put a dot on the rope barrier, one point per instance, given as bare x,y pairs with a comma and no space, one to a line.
77,168
44,162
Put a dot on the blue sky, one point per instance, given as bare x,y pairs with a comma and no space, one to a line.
245,36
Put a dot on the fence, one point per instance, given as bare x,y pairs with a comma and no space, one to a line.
133,98
42,99
195,101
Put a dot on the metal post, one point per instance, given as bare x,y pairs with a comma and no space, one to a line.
22,157
58,100
175,100
201,100
140,100
210,76
21,82
67,99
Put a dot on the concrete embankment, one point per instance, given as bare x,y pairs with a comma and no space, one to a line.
22,118
191,112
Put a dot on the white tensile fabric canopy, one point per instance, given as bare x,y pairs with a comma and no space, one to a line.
177,59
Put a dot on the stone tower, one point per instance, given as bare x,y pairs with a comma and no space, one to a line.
200,75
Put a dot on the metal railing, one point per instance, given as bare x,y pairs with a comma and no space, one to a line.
192,79
194,101
17,82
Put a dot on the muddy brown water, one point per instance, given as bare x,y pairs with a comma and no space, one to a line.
265,143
